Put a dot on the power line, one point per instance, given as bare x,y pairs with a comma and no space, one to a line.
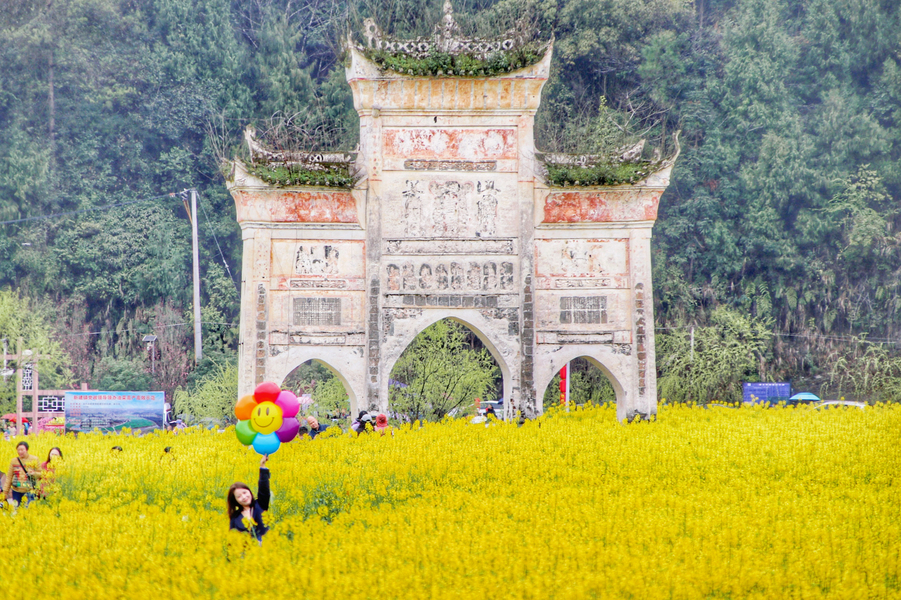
142,329
802,335
213,233
83,210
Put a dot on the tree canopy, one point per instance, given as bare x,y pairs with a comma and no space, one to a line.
783,205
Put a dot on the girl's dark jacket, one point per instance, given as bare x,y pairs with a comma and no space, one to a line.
261,503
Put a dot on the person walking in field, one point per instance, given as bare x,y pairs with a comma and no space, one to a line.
48,472
24,471
245,513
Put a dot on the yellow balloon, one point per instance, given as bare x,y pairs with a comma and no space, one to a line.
266,418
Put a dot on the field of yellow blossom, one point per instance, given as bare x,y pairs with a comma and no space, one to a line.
718,503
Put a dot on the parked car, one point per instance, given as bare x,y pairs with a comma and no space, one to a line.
828,403
497,405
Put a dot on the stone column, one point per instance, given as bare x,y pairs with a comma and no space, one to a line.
643,403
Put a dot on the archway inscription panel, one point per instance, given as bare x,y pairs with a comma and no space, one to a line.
448,220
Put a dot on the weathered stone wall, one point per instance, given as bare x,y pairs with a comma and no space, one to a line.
449,220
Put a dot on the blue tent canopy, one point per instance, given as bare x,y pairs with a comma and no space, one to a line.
805,396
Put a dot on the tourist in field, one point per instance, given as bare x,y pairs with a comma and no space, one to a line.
48,470
22,476
245,513
315,427
381,425
359,425
169,417
364,424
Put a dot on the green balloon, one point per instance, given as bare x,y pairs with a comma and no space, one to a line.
245,432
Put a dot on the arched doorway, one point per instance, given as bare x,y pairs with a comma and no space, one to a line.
446,370
322,391
587,384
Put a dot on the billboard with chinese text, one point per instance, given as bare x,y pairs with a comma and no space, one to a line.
766,393
111,411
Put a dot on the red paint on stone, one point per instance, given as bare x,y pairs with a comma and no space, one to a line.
451,144
601,207
296,206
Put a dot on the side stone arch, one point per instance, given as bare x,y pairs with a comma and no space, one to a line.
503,348
345,365
617,367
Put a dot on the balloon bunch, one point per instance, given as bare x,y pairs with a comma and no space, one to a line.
267,418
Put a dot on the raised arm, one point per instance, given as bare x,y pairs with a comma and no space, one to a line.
263,490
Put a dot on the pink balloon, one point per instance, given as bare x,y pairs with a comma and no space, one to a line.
288,431
288,402
266,392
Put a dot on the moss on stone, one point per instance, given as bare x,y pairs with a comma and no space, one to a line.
287,175
445,64
612,173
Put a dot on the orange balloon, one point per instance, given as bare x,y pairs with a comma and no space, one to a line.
244,407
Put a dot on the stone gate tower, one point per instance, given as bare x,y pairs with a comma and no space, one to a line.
451,214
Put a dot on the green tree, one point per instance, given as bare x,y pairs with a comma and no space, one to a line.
30,322
213,398
442,371
330,398
122,375
732,349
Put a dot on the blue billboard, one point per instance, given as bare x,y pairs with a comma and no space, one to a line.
111,411
766,393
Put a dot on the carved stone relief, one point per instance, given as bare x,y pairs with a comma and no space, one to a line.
413,209
487,209
455,209
316,260
458,276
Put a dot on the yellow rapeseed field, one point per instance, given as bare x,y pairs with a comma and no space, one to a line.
718,503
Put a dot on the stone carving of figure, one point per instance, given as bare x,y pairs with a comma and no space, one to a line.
425,277
456,272
331,261
393,278
451,214
474,276
487,209
303,262
507,276
441,277
489,281
413,209
409,277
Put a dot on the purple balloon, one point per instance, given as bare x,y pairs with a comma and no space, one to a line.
289,404
288,430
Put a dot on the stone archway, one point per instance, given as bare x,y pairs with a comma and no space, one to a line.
453,216
285,363
613,369
500,349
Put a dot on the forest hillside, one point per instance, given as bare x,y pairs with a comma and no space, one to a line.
777,249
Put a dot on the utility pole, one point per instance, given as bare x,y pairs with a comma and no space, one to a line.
151,347
195,242
198,342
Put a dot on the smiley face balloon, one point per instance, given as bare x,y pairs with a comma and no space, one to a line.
266,418
264,421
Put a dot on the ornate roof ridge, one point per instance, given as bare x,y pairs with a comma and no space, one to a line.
447,39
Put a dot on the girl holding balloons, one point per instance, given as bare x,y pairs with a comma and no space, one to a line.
266,419
245,513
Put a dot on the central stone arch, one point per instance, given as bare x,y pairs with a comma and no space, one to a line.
408,326
452,215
